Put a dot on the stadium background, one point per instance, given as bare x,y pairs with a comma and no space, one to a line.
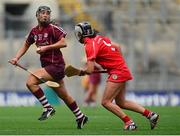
148,31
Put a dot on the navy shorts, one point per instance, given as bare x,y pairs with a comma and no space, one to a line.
56,71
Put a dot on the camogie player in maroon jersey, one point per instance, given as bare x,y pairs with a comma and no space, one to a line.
49,39
101,50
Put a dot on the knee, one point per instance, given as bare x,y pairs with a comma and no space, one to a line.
121,104
30,84
105,103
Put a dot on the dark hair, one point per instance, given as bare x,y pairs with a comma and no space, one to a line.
41,8
96,32
54,22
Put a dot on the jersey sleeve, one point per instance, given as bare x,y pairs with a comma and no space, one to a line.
91,51
58,33
30,38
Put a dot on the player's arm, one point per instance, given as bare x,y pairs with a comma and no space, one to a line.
60,44
91,55
90,66
89,69
117,46
20,53
99,67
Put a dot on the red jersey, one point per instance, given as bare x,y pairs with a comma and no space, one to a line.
105,54
48,35
108,56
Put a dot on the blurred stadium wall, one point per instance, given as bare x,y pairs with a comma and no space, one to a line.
148,31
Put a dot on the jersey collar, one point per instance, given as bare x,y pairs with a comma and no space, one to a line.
86,40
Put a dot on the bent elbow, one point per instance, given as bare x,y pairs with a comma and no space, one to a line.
62,45
65,45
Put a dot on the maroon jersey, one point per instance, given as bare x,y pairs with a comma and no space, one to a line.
48,35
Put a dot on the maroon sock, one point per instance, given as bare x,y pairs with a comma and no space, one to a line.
147,113
126,119
39,94
73,106
76,111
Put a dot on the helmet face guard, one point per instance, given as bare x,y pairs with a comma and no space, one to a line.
41,9
83,30
78,33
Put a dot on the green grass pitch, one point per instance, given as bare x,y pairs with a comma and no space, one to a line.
23,121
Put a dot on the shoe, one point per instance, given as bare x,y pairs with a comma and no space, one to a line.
46,114
153,120
130,126
81,122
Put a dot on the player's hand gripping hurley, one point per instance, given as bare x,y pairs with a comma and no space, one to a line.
72,71
48,83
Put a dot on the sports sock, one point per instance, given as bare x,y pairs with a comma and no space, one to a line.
76,111
42,98
126,119
147,113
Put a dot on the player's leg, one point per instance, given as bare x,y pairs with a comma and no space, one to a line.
130,105
94,81
61,91
57,72
91,94
33,85
125,104
111,91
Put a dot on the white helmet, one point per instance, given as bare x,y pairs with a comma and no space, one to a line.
83,30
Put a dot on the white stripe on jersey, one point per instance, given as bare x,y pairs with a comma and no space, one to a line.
59,28
94,48
107,44
99,40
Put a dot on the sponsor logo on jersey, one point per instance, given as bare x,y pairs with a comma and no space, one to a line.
45,35
40,37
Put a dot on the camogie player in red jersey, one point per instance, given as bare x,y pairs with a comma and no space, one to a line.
49,39
101,50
